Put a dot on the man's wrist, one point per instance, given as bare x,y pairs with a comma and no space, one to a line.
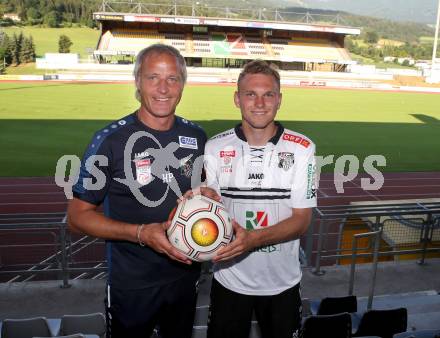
139,229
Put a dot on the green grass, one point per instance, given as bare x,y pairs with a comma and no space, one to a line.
25,69
46,39
379,64
41,122
426,40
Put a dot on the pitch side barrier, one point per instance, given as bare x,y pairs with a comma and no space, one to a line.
369,233
38,246
407,229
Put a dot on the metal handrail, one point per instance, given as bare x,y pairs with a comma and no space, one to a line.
377,235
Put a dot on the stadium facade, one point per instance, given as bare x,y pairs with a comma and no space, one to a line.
224,42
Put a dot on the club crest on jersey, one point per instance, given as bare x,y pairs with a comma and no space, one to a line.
186,166
143,171
188,142
285,160
226,156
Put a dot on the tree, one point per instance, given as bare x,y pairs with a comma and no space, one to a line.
16,47
51,19
28,51
33,16
5,51
64,44
371,37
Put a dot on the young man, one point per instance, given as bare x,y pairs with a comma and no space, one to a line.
265,174
148,160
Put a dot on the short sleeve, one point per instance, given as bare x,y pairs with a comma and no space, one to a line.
95,168
210,165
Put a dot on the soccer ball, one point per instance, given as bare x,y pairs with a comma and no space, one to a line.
199,227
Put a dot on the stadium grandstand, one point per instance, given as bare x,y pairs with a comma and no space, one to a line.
224,42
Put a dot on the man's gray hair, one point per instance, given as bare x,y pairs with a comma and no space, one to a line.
157,48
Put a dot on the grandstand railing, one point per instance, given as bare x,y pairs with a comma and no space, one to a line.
204,10
390,232
26,254
39,246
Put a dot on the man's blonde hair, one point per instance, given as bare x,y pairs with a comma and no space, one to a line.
259,67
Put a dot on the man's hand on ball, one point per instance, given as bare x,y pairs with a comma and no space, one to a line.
243,242
204,191
154,235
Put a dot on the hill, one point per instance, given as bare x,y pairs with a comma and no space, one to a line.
46,39
410,32
397,10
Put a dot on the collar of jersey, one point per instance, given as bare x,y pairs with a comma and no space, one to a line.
274,139
173,128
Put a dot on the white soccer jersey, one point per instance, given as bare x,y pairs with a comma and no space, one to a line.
260,186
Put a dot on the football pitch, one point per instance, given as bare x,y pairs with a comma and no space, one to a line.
40,122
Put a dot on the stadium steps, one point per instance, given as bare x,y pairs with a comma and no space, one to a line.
267,45
423,307
398,284
189,43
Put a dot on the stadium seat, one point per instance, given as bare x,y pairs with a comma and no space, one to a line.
334,305
339,325
25,328
419,334
93,323
382,323
76,335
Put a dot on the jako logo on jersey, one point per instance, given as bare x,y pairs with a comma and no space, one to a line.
296,139
256,219
188,142
255,176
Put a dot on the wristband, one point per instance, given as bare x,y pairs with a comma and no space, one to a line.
138,234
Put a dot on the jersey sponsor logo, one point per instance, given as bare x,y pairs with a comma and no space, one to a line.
296,139
188,142
311,181
256,176
143,171
256,219
285,160
223,135
267,248
227,153
141,155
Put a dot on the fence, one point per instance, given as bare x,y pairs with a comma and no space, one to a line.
367,233
39,246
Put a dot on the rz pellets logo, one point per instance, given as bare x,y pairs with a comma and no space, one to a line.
256,219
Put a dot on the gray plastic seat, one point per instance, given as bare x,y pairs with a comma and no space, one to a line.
339,325
419,334
93,323
76,335
382,323
25,328
334,305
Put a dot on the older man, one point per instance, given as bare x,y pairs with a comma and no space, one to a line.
147,160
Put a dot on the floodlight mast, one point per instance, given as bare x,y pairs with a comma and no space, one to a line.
434,52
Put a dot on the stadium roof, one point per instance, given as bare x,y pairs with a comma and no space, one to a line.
196,14
195,21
